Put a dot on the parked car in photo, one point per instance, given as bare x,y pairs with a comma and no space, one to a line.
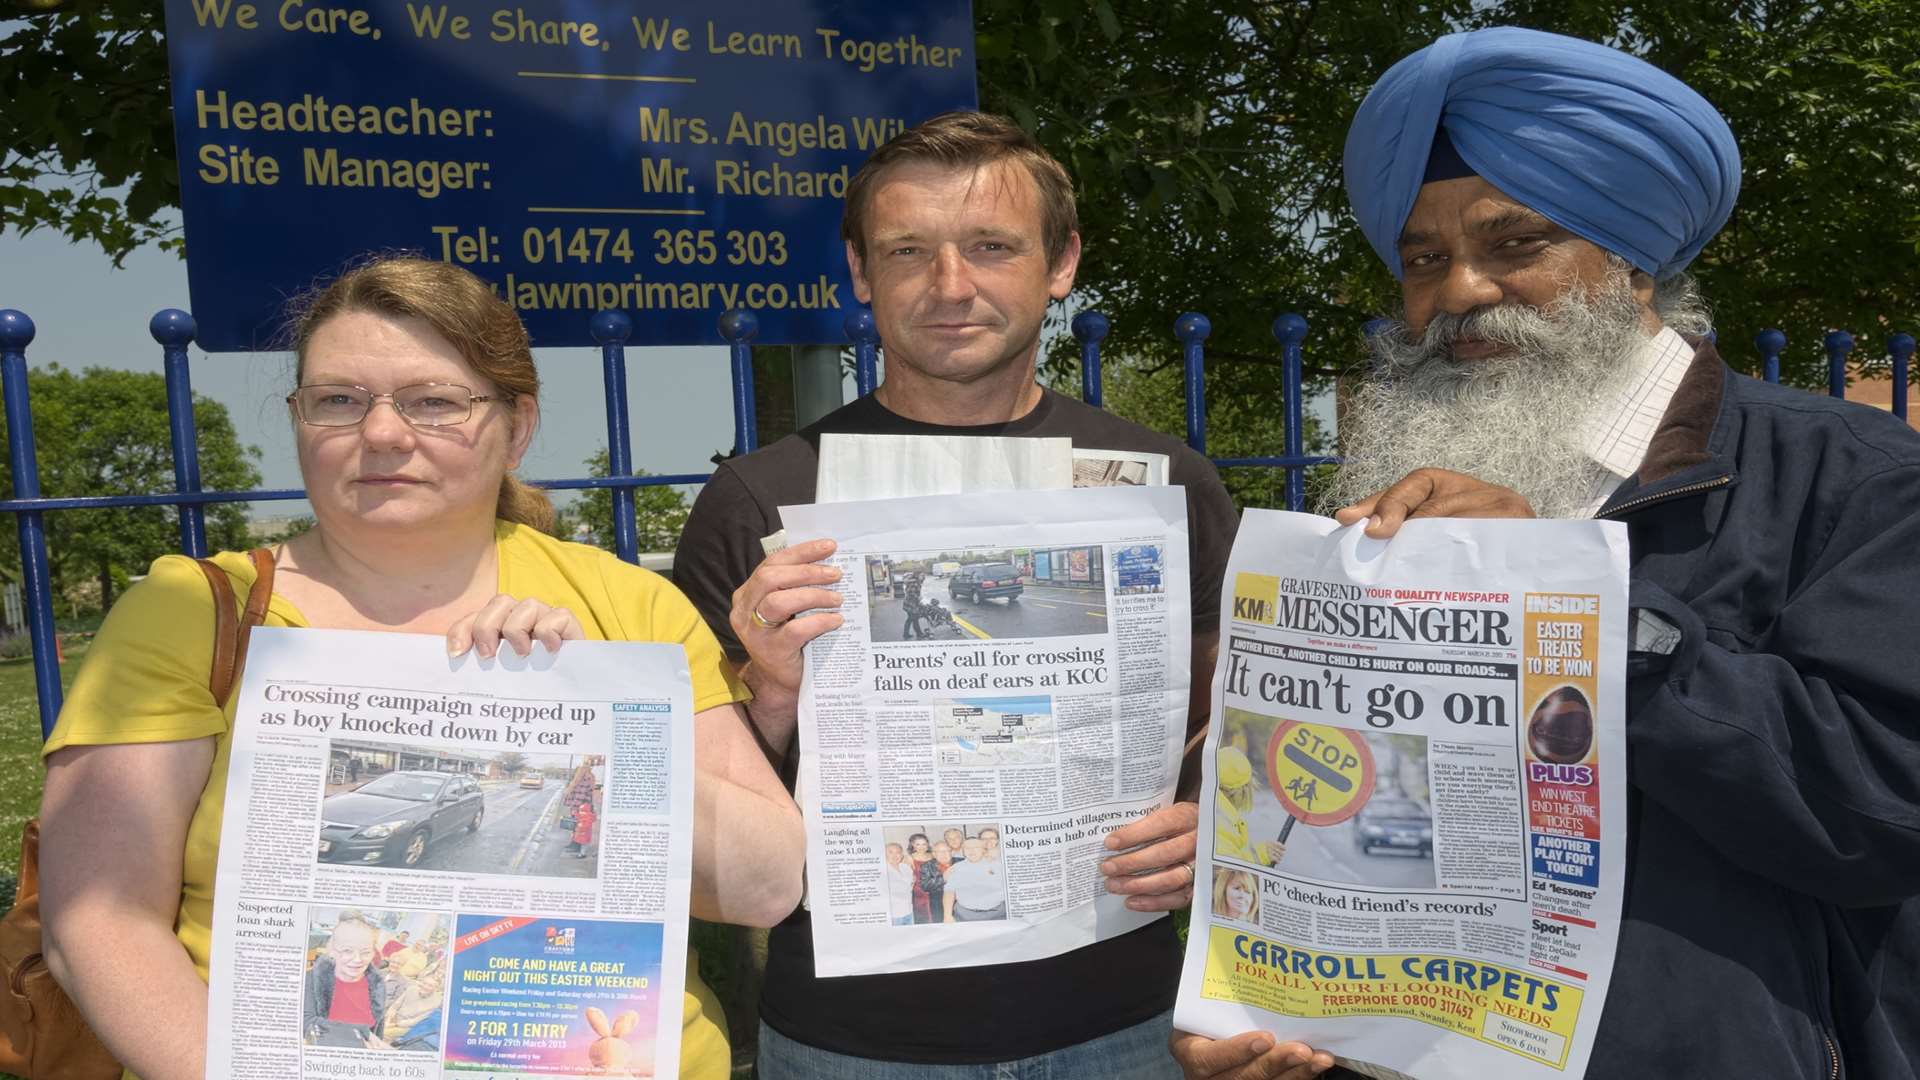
984,581
533,779
392,819
1394,824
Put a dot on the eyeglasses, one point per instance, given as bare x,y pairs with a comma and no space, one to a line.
422,405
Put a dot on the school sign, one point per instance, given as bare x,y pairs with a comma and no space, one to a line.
673,160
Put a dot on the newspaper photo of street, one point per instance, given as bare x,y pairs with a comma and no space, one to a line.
983,593
993,733
1387,843
460,811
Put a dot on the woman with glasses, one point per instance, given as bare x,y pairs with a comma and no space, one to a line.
416,398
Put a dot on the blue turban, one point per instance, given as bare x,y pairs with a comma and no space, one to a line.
1601,143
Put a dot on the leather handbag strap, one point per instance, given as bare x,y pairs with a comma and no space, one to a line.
231,632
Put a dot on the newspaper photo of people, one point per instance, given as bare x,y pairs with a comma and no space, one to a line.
981,593
457,810
944,874
374,980
1387,842
1236,896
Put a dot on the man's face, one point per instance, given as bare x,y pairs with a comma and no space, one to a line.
955,267
894,855
351,947
1467,246
1517,347
953,838
973,850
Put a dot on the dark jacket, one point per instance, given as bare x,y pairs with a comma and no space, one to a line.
318,998
1771,920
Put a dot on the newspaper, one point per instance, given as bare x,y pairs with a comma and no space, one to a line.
434,867
1414,853
1118,468
1033,700
855,467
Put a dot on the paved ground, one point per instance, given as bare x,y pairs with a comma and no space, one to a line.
1328,852
518,836
1039,611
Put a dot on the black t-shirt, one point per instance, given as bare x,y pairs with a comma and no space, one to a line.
975,1015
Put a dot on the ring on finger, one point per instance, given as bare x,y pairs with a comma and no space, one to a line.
1192,874
761,621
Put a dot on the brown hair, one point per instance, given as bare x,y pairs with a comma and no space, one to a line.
961,140
462,309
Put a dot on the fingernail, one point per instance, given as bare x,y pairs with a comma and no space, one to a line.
1260,1046
1106,867
1373,522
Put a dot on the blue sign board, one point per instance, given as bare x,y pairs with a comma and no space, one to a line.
673,160
1137,569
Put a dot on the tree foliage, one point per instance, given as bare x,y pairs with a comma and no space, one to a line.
86,128
105,432
659,512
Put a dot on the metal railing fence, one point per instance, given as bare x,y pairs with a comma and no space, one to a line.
174,331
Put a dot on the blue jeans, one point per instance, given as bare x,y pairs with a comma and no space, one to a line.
1135,1053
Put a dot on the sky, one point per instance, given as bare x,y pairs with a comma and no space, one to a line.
87,313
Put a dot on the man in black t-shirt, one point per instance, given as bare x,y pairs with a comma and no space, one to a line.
959,233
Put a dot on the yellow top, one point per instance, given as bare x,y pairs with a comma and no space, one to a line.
145,681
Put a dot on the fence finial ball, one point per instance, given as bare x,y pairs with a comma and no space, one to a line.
859,324
1770,342
16,330
1900,345
1192,327
1839,341
611,327
739,326
1091,326
173,327
1290,329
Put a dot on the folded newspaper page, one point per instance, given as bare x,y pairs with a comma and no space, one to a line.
434,867
858,466
1413,856
1011,684
855,467
1118,468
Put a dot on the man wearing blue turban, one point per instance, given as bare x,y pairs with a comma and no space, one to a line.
1539,198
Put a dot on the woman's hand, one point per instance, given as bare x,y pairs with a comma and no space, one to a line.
519,623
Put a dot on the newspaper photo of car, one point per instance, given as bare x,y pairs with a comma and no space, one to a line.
451,809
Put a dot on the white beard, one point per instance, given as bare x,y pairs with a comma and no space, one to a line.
1516,419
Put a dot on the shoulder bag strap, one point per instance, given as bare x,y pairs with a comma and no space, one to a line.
231,632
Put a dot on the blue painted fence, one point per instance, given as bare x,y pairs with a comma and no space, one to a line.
174,331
